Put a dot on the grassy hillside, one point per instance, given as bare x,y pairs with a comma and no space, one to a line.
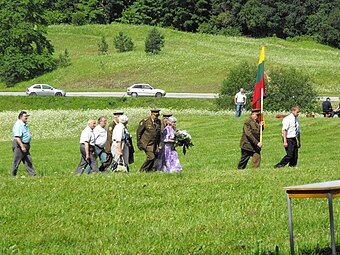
209,208
188,62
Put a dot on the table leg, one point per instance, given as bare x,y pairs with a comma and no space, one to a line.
331,222
290,224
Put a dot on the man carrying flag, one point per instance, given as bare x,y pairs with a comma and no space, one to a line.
251,140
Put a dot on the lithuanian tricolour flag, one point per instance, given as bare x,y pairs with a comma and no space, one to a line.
256,103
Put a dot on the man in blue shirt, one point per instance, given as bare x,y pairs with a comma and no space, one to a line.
21,145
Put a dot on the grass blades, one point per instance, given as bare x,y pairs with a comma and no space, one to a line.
209,208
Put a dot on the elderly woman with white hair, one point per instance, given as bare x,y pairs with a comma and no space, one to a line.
170,157
120,142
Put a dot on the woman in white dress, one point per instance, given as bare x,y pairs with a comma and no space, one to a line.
120,140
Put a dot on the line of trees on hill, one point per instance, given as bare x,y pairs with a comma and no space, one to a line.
26,53
258,18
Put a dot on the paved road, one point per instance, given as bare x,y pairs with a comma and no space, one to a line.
121,94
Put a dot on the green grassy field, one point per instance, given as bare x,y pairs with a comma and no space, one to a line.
208,208
11,103
188,63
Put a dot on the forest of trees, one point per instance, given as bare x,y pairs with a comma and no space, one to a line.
25,51
319,19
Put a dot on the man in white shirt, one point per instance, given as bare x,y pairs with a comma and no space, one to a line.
108,144
291,138
240,101
87,149
100,136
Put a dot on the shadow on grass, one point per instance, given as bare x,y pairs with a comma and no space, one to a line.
319,251
304,251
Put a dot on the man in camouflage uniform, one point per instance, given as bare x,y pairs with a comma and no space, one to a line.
108,143
148,139
250,141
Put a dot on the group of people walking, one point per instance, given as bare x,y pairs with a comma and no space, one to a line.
114,145
156,137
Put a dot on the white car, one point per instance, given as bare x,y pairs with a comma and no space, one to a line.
44,90
141,89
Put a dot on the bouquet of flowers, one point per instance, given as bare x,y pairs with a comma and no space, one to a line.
183,138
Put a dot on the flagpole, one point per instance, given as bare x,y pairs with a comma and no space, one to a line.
261,114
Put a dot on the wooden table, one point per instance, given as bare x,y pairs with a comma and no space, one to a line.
314,190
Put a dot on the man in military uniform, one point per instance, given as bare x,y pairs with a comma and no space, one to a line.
250,141
148,139
108,143
163,122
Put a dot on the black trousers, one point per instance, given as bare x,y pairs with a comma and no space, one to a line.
291,157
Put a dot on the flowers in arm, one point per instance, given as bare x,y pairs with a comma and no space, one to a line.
183,138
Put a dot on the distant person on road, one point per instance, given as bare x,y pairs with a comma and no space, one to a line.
291,138
327,107
100,136
87,149
148,140
21,145
250,141
108,143
240,100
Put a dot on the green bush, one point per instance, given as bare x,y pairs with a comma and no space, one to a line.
154,41
285,87
64,59
79,18
123,42
288,87
103,46
242,75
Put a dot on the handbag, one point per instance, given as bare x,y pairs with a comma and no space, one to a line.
121,168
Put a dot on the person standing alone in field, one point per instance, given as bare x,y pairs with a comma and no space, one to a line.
291,138
250,141
240,100
21,145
